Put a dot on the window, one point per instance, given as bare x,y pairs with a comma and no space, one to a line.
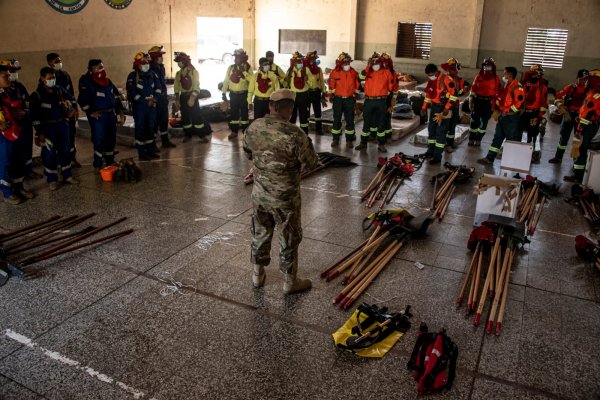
302,40
414,40
546,47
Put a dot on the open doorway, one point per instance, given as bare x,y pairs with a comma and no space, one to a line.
216,40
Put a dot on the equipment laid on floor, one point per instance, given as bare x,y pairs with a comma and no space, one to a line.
128,171
447,185
588,202
493,244
393,228
588,250
533,196
327,160
372,331
433,361
388,179
17,252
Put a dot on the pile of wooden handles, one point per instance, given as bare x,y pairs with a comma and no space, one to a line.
384,186
442,197
495,284
527,207
590,211
363,265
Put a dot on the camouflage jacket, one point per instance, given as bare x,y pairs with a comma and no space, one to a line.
279,150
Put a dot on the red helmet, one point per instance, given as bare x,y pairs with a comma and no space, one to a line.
183,57
343,58
240,56
375,58
386,61
156,52
297,57
139,59
488,67
451,65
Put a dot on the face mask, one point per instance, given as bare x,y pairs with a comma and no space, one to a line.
298,66
487,68
51,82
266,68
181,64
58,66
504,79
14,76
100,74
145,67
432,78
376,67
346,68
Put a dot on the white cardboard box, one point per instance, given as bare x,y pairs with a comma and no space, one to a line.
591,178
493,190
516,158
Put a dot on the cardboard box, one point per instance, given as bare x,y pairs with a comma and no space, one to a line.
591,178
516,158
498,195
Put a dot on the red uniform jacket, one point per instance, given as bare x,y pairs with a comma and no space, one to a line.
572,96
512,97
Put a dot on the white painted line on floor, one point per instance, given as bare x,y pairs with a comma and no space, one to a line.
201,219
339,195
56,356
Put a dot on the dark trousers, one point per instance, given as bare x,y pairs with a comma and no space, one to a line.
161,125
144,118
104,138
530,123
565,133
480,116
343,107
436,133
72,132
56,153
454,120
388,117
588,133
6,159
507,128
191,120
261,107
315,101
238,104
22,153
373,120
301,110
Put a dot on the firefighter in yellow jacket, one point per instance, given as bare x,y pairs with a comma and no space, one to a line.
237,79
262,85
276,69
316,88
297,80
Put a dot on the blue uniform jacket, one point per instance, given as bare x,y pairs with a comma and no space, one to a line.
49,107
140,86
94,97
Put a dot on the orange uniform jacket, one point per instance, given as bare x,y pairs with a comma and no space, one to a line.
536,96
512,97
590,110
486,87
445,88
572,96
343,83
378,83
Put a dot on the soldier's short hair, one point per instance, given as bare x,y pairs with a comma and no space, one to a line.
51,56
280,104
45,71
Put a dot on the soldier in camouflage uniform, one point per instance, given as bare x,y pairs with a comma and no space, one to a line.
279,150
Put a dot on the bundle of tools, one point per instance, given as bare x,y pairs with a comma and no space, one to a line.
532,203
372,331
327,160
447,182
493,246
24,247
588,250
389,177
393,228
588,202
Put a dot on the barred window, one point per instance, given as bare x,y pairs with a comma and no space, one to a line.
545,47
414,40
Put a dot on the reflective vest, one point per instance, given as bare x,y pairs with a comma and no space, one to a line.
512,97
187,80
572,96
486,87
262,85
590,110
445,92
536,95
378,83
297,79
236,80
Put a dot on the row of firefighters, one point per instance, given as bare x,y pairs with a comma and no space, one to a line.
49,113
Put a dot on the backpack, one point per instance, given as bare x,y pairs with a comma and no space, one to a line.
433,361
128,171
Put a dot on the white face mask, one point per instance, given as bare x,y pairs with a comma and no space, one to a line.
181,65
298,66
504,79
266,68
346,68
145,67
58,66
432,78
14,76
51,82
376,67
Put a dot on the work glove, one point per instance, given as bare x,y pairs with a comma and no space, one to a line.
438,117
192,100
496,115
224,106
121,118
323,101
423,112
151,101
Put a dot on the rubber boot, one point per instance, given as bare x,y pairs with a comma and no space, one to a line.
293,284
258,276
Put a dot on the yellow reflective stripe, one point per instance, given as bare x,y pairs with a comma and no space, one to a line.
347,132
515,109
562,147
365,134
303,125
453,98
427,100
584,121
494,149
597,95
440,145
187,126
576,166
336,131
380,134
430,141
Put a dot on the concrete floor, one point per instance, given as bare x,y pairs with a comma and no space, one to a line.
95,325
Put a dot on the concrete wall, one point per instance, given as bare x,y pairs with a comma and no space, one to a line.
338,17
505,24
31,29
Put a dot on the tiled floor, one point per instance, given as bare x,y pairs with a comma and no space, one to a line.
99,327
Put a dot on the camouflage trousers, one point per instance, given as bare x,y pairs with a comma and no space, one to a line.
289,230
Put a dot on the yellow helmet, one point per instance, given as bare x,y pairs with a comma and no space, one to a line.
156,49
537,68
10,64
595,72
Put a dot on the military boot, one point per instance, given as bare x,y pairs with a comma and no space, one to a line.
258,276
293,284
